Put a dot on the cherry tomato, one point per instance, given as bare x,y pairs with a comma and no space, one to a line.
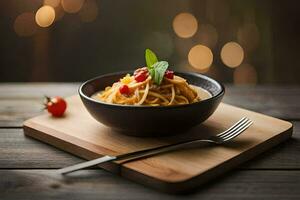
124,89
56,106
169,74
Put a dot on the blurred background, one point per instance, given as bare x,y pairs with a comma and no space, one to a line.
234,41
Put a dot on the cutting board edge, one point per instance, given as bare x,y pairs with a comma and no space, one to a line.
200,179
289,124
176,186
68,147
163,185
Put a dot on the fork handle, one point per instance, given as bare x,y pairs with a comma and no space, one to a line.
129,156
86,164
158,150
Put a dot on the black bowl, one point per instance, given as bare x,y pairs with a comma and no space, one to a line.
148,120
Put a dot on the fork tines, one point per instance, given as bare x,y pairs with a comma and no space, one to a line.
236,129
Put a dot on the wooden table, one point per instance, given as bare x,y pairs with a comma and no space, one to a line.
27,165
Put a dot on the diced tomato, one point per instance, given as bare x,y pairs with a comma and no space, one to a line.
143,69
141,74
140,77
124,89
169,74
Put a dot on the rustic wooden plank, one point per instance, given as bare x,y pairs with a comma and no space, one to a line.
178,170
266,89
22,101
13,111
261,184
97,184
36,90
18,151
277,101
284,156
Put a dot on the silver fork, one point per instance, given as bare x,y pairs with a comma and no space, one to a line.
221,138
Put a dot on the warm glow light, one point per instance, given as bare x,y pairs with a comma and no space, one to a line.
24,24
185,25
59,13
56,4
232,54
52,3
207,35
245,74
45,16
72,6
89,11
248,36
200,57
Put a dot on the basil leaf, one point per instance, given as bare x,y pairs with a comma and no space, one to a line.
152,73
159,69
150,57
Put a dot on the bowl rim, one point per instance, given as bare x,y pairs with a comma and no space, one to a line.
220,94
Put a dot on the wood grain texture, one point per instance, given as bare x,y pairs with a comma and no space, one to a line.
21,152
97,184
181,169
280,102
36,90
23,101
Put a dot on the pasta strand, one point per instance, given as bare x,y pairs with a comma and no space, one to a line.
174,91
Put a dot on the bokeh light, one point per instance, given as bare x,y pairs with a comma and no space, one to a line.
207,35
24,24
185,66
200,57
52,3
245,74
72,6
56,4
45,16
232,54
59,12
89,11
248,36
185,25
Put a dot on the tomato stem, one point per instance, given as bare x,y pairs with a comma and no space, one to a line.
48,99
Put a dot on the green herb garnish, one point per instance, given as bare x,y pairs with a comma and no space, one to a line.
156,68
158,71
150,57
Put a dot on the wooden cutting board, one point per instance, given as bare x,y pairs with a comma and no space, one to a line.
78,133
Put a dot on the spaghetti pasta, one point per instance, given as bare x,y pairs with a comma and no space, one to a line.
153,85
171,91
